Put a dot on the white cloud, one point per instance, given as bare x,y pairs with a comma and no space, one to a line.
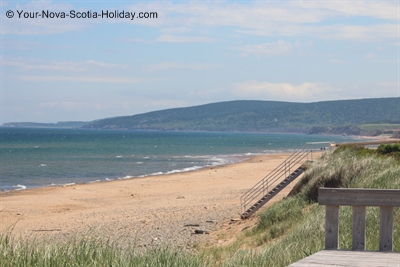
158,104
371,33
94,79
370,56
80,105
375,9
309,92
269,18
184,39
292,18
29,45
132,40
279,47
335,61
180,29
388,84
178,65
286,91
35,64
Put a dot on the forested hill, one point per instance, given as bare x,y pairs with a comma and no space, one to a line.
268,116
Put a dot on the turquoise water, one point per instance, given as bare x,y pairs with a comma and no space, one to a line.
31,157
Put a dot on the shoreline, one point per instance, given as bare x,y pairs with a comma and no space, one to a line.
238,158
127,178
146,211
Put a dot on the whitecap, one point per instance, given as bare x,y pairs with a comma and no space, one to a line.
68,184
43,165
119,156
19,187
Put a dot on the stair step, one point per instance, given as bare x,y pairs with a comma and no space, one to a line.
269,195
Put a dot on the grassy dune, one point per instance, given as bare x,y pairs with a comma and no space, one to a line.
287,232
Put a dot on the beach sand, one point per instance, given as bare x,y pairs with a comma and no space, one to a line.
164,209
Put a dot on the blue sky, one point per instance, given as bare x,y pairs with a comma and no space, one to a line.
194,52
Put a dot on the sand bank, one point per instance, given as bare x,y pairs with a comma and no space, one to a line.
146,211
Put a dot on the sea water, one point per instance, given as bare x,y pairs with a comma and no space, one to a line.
37,157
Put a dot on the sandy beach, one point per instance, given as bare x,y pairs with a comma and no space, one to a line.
144,211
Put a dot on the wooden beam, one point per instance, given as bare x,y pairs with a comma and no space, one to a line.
359,197
386,229
358,237
332,227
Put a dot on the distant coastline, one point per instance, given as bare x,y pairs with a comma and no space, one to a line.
370,117
61,124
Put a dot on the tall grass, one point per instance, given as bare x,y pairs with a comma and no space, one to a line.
288,231
89,251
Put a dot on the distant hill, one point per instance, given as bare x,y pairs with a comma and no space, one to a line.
260,116
61,124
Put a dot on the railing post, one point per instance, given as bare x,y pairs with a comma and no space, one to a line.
358,235
285,170
386,229
331,227
263,186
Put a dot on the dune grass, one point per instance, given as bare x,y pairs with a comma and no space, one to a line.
288,231
89,251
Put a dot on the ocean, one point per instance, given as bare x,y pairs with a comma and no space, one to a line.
38,157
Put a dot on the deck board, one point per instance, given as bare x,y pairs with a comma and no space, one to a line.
346,258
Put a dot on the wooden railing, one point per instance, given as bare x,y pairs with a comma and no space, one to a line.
359,199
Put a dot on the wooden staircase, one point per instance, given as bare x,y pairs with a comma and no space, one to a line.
266,189
274,192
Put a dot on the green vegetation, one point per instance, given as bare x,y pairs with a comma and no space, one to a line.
370,129
88,252
267,116
378,126
288,231
393,150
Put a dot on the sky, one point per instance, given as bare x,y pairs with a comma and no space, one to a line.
79,67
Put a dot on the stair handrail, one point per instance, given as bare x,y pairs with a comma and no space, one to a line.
273,176
263,185
259,191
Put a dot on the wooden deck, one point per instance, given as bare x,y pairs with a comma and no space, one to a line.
332,198
346,258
